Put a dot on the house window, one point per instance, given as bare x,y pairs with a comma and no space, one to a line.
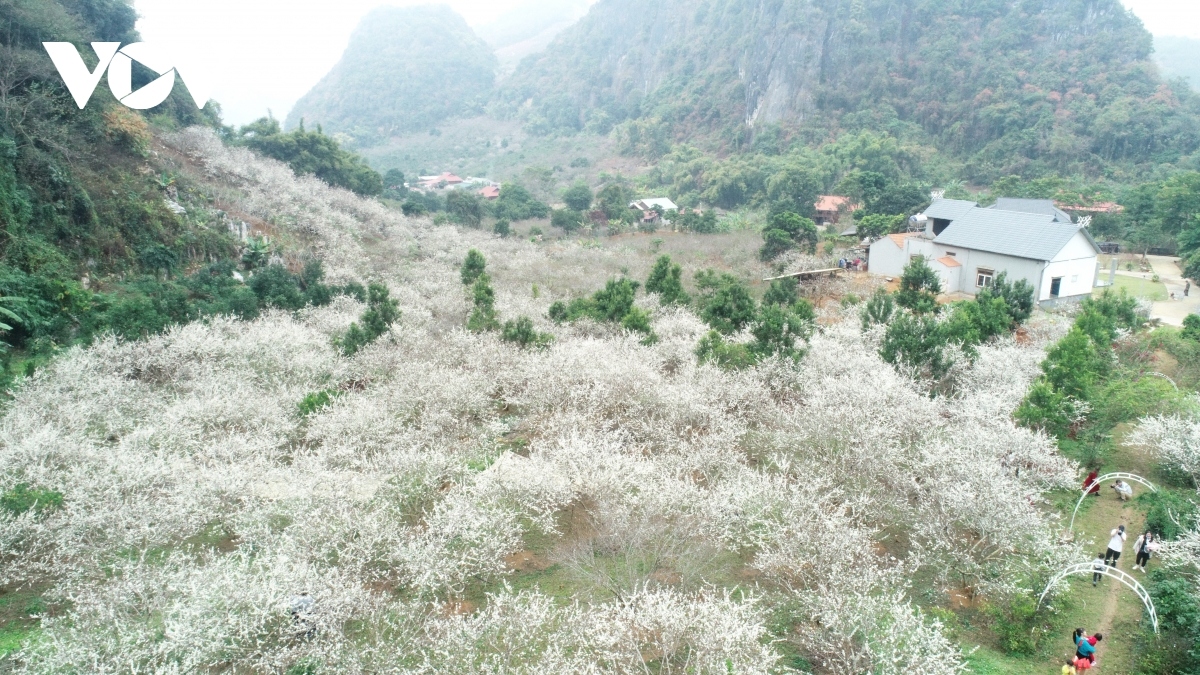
951,253
984,277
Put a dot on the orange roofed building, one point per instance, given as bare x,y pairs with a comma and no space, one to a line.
831,207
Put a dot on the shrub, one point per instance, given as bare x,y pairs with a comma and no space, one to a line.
465,207
483,316
276,287
714,349
1018,296
472,267
1046,409
23,498
520,331
516,203
777,330
1169,513
666,280
919,287
878,310
381,313
916,341
1125,399
1073,365
566,219
578,197
1191,327
975,321
313,402
1017,624
726,303
502,228
785,231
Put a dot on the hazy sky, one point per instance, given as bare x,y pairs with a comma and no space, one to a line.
264,54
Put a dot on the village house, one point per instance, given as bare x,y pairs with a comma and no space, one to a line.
830,208
490,192
444,180
969,246
654,209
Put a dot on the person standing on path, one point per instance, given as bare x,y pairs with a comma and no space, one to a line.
1098,568
1116,542
1143,547
1187,286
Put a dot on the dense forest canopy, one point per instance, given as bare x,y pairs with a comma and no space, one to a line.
1003,88
405,69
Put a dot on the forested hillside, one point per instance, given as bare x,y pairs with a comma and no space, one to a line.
405,69
100,235
1049,85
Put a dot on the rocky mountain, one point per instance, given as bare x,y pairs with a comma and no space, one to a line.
1066,84
405,69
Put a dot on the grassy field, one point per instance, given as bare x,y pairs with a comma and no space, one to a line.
1138,288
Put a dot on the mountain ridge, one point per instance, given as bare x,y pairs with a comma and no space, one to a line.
1067,84
405,68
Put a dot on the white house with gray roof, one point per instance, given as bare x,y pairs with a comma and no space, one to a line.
969,246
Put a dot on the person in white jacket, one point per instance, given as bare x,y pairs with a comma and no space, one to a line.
1143,547
1116,542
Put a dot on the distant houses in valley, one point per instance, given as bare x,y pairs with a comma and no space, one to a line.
969,246
449,181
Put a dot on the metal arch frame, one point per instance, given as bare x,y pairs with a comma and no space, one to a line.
1108,571
1156,374
1108,476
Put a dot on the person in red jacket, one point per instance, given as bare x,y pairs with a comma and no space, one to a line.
1090,480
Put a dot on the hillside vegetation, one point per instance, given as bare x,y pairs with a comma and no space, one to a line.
405,69
1002,88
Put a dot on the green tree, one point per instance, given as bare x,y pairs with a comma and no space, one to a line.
517,203
613,199
1073,365
312,152
777,330
666,279
578,197
382,311
876,225
521,332
919,287
917,342
1017,295
502,227
465,207
725,302
794,190
1191,327
1046,409
483,297
878,310
472,267
785,231
567,219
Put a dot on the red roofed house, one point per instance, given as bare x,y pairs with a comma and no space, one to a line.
831,207
490,192
444,180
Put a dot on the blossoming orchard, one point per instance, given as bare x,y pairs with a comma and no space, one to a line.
603,501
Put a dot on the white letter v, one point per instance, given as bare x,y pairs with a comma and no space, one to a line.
73,70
